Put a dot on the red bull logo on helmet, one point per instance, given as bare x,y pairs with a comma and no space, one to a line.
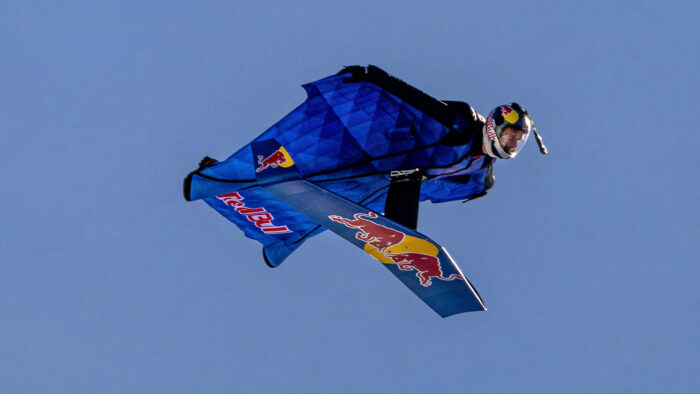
391,246
490,126
509,114
278,158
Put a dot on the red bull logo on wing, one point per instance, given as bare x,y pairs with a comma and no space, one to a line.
259,216
374,234
391,246
426,266
278,158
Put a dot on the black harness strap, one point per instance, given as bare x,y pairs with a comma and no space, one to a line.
403,197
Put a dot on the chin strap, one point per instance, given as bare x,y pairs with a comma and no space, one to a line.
540,144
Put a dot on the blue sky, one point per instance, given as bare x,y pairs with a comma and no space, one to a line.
111,282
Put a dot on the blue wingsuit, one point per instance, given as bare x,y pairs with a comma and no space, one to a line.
361,134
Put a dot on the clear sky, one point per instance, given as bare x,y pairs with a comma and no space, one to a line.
586,258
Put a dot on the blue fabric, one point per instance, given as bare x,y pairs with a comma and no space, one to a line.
346,137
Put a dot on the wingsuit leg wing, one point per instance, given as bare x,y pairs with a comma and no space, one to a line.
420,263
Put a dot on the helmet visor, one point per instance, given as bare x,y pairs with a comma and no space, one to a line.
512,139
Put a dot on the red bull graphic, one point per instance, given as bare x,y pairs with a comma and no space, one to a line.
509,115
426,266
278,158
391,246
261,218
490,126
381,237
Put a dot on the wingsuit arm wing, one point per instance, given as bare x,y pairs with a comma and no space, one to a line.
421,264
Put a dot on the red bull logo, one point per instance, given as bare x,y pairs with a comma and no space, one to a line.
509,115
426,266
490,126
278,158
391,246
381,237
259,216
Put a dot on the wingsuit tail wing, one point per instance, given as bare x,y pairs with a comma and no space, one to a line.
420,263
